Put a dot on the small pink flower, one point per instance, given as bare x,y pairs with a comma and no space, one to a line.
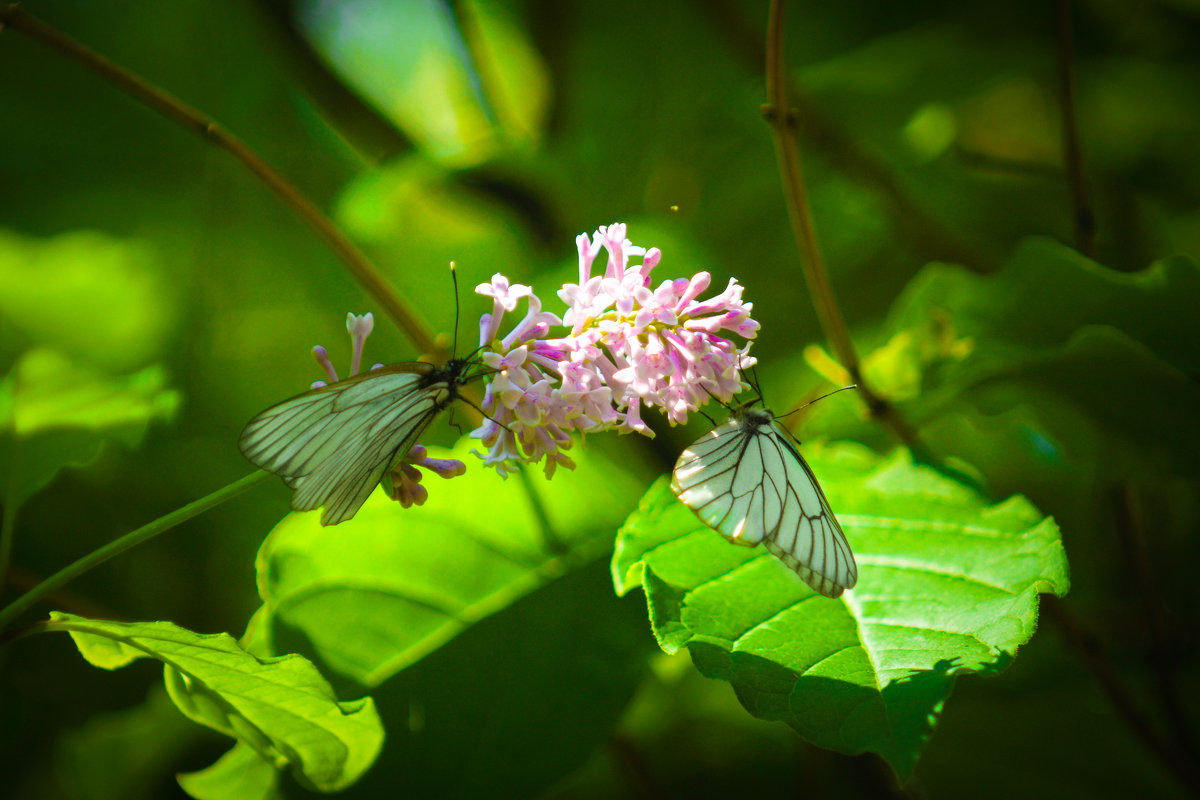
403,482
529,412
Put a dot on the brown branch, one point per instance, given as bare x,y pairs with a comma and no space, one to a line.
357,262
62,599
824,135
782,120
1085,222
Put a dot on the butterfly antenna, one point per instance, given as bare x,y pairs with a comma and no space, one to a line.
485,414
822,397
454,279
756,385
718,400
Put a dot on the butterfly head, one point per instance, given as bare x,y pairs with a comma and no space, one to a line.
750,416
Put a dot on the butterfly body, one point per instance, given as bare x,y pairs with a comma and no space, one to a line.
334,444
746,479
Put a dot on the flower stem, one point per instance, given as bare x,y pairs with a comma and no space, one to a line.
551,543
13,610
355,260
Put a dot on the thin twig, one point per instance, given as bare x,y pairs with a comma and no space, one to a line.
15,609
783,128
1085,222
355,260
822,134
552,543
62,599
783,125
1119,695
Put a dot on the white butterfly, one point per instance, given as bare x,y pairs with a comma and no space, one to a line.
334,444
746,480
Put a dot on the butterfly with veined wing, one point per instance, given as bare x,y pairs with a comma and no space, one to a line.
746,480
334,444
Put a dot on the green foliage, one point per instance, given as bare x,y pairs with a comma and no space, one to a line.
280,709
524,697
95,297
384,589
125,753
1082,343
948,585
242,773
491,134
444,610
57,413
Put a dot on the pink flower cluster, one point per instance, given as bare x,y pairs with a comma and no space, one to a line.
624,345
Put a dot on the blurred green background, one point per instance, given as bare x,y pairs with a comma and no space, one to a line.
491,134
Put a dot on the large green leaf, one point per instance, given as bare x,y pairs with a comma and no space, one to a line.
376,593
58,413
948,584
280,708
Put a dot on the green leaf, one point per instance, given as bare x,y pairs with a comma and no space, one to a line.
1088,349
948,584
88,294
376,593
241,774
1046,291
280,707
57,413
1102,386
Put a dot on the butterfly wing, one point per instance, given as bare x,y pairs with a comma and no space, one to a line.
334,444
746,480
710,479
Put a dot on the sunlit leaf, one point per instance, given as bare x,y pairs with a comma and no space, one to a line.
378,592
240,774
948,585
280,707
